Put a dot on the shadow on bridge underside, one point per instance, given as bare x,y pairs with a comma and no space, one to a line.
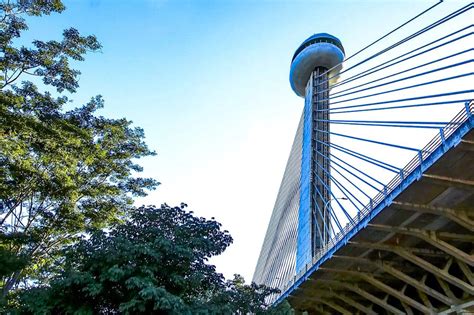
414,256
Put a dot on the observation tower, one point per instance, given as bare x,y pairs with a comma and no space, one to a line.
314,67
400,154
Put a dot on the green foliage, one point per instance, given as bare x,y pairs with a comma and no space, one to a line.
47,60
241,298
70,240
62,172
154,263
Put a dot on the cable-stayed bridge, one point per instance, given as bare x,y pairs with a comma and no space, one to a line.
375,212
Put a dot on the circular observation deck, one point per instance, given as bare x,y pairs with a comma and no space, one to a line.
319,50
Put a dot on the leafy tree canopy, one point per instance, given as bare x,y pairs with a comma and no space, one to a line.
70,240
154,263
62,172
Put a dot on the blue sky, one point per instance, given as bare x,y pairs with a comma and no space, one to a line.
208,81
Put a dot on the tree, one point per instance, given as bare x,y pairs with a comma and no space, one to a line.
61,172
154,263
70,239
241,298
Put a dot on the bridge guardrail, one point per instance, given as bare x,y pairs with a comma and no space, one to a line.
465,115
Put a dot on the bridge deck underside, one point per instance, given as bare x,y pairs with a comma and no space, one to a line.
415,256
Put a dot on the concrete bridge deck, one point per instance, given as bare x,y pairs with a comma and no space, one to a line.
415,256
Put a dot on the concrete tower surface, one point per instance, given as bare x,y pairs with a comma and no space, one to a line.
314,67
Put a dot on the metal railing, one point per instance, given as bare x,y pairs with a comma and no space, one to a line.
461,118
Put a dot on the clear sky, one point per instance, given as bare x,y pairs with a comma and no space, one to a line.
208,81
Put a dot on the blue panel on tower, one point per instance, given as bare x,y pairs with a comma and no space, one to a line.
303,246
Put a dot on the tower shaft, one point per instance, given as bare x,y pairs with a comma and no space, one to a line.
320,164
309,74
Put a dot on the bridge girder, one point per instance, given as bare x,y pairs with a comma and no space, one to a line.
415,257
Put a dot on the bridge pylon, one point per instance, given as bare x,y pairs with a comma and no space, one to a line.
391,134
315,65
